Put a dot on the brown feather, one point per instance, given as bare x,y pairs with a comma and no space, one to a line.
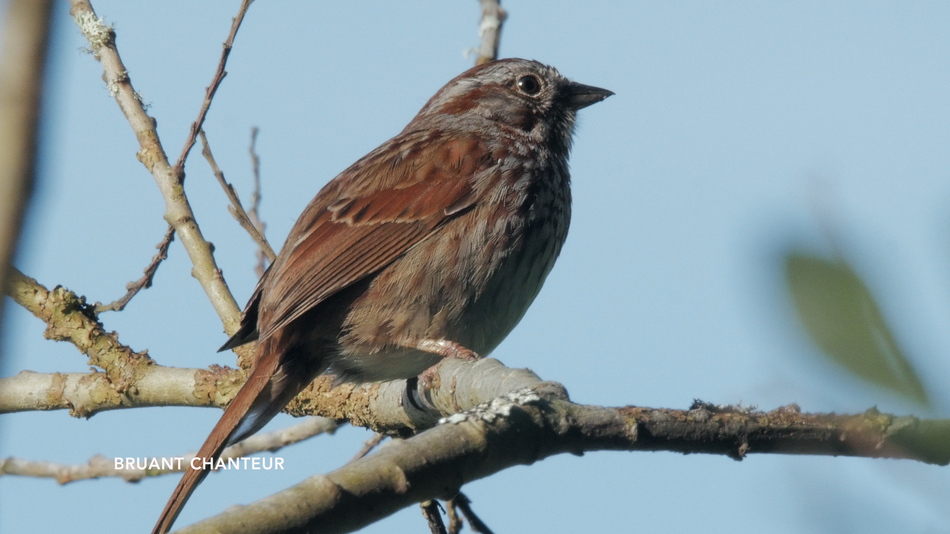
362,221
433,245
220,436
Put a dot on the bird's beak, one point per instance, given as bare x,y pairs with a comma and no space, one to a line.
580,96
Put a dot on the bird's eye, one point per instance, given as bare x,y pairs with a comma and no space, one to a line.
529,85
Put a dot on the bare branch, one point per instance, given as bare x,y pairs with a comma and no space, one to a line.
379,406
99,466
236,209
516,428
178,211
455,520
464,505
146,281
493,17
526,426
219,75
274,441
253,213
69,318
25,39
458,386
369,445
431,512
385,408
86,394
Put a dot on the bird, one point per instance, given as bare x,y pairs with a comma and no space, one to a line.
431,246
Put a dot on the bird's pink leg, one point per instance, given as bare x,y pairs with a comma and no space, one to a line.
446,349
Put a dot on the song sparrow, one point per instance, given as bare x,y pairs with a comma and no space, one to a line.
431,246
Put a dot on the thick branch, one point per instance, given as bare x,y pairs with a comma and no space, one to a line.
132,379
387,407
736,432
521,429
383,406
69,318
530,425
86,394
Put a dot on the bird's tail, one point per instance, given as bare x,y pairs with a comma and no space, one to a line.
268,389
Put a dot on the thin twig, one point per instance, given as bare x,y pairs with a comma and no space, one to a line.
455,520
256,203
236,209
493,17
463,504
146,281
431,511
274,441
219,75
99,466
368,446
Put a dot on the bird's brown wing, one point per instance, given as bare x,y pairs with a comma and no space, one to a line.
367,217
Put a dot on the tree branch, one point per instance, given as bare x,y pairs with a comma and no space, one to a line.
69,318
86,394
178,211
382,407
236,208
145,281
458,386
99,466
462,502
133,379
216,80
256,203
493,17
530,425
25,40
431,512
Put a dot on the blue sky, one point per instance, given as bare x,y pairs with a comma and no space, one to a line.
739,131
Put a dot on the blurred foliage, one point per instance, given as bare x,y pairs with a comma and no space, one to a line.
841,316
924,440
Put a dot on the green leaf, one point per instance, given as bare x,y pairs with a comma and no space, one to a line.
840,315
